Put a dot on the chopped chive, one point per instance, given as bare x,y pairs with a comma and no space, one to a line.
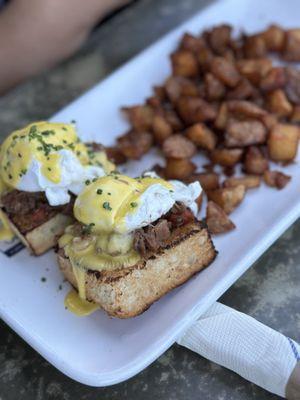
87,182
133,204
107,206
99,191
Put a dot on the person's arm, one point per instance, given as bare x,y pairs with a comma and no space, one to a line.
35,34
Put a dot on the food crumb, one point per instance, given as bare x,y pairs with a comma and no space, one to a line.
43,279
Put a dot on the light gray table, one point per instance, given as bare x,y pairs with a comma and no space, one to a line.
269,291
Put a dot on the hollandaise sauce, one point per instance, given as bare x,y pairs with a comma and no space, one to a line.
79,306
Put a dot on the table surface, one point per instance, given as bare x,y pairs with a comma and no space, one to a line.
269,291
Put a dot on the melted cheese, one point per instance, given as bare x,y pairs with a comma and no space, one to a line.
79,306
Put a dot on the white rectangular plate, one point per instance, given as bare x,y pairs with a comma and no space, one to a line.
98,350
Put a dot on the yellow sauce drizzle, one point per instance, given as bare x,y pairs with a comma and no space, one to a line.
78,306
6,232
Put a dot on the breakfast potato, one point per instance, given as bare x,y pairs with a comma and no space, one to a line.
173,119
219,38
177,86
217,220
276,179
249,181
214,88
115,155
204,58
134,145
274,38
279,104
184,63
245,109
291,48
161,129
207,180
254,69
275,79
195,109
179,169
225,71
226,157
292,88
255,47
222,116
283,142
178,146
140,117
243,90
255,161
227,198
191,43
244,133
295,117
202,136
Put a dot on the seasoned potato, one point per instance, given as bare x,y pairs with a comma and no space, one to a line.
219,38
249,181
274,38
222,116
295,117
244,133
255,47
283,142
177,86
184,63
275,79
199,201
226,157
202,136
245,109
115,155
208,180
291,49
279,104
135,144
140,117
217,220
214,88
194,109
178,146
254,69
255,162
225,71
161,129
191,43
276,179
227,198
173,119
243,90
292,88
179,169
204,58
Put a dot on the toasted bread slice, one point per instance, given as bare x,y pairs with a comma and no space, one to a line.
127,292
44,237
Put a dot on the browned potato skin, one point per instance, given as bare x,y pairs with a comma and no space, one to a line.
222,116
214,88
244,133
295,117
134,145
291,50
202,136
255,162
219,38
275,79
179,169
161,129
255,47
140,117
225,71
195,109
242,91
178,146
245,109
274,38
184,63
226,157
279,104
191,43
283,142
249,181
276,179
207,180
217,220
177,86
254,69
227,198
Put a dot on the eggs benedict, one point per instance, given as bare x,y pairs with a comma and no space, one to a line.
43,167
134,240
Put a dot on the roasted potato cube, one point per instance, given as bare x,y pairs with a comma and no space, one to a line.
161,129
219,38
173,119
177,86
214,88
135,144
204,58
276,179
255,47
178,146
208,180
291,48
222,117
115,155
249,181
254,69
184,63
179,169
279,104
274,38
244,133
227,198
226,157
199,201
194,109
202,136
292,88
275,79
243,90
140,117
244,109
217,220
191,43
225,71
255,162
283,142
295,117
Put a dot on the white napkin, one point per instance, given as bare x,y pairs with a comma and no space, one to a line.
247,347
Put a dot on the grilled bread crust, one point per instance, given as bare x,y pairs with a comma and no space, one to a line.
128,292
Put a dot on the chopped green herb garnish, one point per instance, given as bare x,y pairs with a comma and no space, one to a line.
64,141
49,169
107,206
87,182
87,228
133,204
99,191
19,155
109,193
64,128
10,176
